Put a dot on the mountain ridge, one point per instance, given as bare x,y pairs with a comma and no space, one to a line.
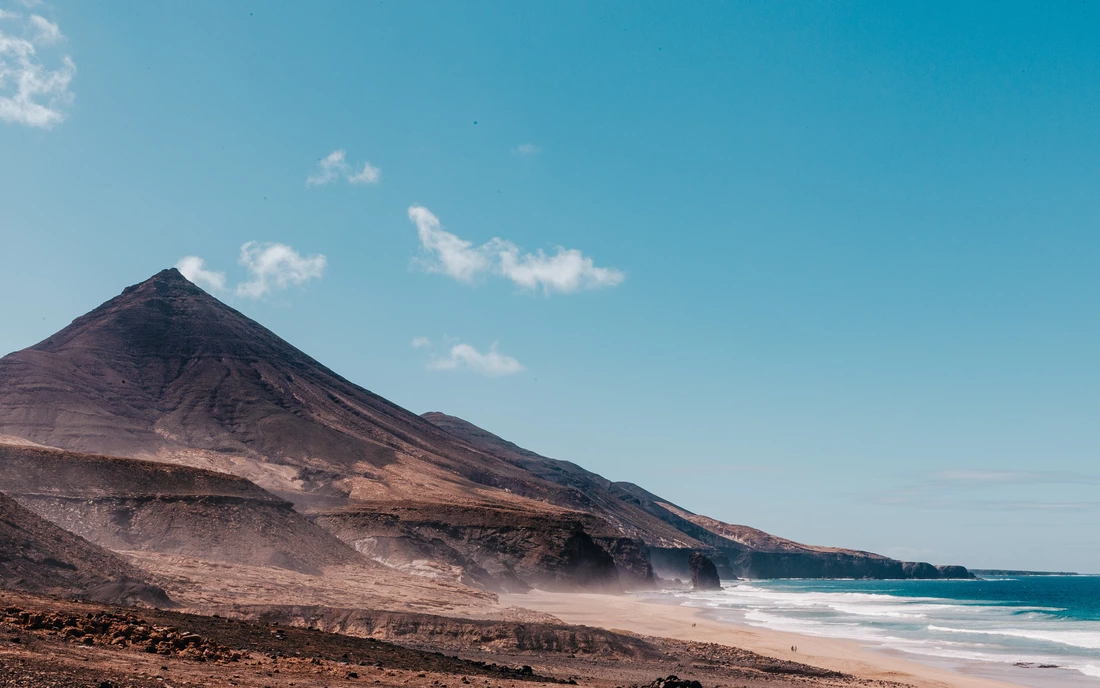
739,551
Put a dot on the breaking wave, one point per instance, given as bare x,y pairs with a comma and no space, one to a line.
1047,631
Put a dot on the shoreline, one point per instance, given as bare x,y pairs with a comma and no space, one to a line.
654,617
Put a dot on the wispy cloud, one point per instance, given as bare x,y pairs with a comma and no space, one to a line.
335,165
986,477
270,267
565,271
492,362
194,269
992,491
34,80
46,32
420,342
527,149
276,266
368,175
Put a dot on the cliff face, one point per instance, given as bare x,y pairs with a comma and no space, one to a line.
497,549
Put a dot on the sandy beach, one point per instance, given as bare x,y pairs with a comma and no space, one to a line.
649,617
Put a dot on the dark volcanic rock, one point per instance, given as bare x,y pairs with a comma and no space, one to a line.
949,571
704,575
674,682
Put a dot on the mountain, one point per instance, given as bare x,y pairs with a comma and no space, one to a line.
167,373
37,556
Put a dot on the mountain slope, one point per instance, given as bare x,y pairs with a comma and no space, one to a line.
131,505
587,491
37,556
738,550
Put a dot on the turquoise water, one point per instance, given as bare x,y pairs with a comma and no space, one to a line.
1036,631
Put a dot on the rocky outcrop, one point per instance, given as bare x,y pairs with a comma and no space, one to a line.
704,575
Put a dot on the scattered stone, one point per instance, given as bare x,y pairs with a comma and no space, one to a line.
674,682
122,630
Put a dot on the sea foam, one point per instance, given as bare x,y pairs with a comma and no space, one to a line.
1013,626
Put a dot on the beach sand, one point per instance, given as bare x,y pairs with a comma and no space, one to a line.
653,618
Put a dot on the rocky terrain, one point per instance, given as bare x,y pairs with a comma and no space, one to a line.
50,642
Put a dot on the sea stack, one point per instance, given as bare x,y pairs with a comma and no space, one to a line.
704,574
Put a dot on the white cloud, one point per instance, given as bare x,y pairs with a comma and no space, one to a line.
492,363
567,270
527,149
369,175
276,266
420,342
335,165
452,256
331,166
47,31
194,269
33,91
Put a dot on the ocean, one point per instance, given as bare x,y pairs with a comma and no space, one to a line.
1032,631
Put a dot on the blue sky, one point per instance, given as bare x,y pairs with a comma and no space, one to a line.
828,269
